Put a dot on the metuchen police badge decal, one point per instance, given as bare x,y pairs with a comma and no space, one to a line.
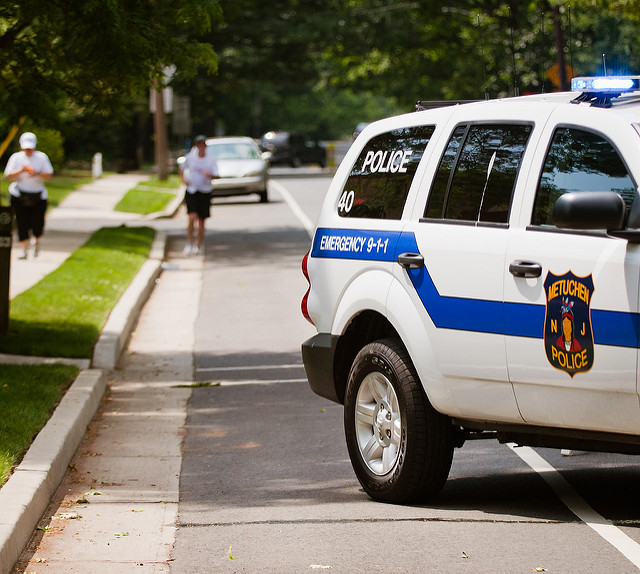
568,338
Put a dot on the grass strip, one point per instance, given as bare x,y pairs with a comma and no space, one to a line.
147,197
28,397
64,313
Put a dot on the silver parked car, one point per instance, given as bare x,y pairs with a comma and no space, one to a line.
243,167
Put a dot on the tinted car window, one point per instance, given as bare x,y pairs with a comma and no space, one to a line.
442,179
583,161
477,173
381,176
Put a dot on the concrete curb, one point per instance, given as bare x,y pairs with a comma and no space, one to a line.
117,330
26,495
30,360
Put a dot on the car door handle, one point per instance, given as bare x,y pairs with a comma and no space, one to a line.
411,260
525,269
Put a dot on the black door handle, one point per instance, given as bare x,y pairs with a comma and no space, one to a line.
411,260
525,269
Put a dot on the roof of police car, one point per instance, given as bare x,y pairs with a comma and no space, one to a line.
625,103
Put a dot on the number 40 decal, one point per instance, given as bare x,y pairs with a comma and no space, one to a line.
346,201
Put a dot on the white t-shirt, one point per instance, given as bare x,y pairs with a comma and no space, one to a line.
28,183
193,167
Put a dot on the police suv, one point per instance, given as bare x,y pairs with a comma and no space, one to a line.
475,272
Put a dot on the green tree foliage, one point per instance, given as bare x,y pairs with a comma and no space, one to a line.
471,48
269,59
298,64
316,66
95,55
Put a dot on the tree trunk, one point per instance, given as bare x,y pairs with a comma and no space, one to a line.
160,128
559,39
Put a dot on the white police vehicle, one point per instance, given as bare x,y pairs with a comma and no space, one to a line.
475,271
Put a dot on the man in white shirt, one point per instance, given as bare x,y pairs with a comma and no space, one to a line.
28,170
196,173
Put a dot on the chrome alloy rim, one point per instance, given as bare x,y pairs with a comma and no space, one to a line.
378,423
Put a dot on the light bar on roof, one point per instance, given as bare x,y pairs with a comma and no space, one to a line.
606,84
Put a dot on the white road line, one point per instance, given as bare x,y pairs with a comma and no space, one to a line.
293,205
576,504
248,368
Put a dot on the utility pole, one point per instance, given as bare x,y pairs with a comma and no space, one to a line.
160,130
162,103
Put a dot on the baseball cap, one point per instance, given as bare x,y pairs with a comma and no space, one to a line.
199,139
28,140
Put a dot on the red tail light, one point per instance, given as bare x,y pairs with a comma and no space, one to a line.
303,304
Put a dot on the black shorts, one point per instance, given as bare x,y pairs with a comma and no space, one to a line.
199,202
30,209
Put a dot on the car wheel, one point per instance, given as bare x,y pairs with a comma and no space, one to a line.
296,161
400,447
264,196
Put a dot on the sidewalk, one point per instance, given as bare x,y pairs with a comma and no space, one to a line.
25,497
116,508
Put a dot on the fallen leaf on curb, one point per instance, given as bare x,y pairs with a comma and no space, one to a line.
539,569
68,515
465,556
231,556
121,534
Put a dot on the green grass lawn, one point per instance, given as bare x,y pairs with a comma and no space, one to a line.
63,314
28,397
148,196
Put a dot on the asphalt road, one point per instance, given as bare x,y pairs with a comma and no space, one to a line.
266,484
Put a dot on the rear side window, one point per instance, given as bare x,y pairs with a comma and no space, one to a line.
477,173
583,161
380,179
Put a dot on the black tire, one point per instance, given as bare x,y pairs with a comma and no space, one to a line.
264,196
400,447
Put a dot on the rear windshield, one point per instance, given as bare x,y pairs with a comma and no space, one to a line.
380,179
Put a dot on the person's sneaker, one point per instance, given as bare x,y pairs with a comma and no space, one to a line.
188,250
23,254
197,250
36,250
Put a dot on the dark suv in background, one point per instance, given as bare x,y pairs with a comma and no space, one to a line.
292,148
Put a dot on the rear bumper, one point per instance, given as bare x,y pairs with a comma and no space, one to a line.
318,355
239,185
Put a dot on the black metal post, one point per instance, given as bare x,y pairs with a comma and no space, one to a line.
6,225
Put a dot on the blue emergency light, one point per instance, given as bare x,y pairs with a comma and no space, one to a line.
606,84
599,91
